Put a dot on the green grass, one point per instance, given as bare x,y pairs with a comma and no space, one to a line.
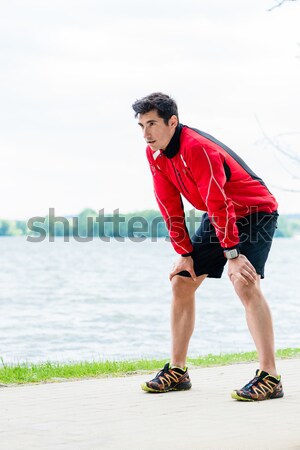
52,371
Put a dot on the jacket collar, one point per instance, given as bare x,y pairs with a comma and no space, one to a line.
173,147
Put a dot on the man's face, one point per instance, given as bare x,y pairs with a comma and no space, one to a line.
156,133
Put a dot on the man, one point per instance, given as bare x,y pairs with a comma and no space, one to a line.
238,227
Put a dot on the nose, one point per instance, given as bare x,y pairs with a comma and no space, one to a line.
146,133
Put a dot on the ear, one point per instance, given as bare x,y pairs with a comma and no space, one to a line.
173,122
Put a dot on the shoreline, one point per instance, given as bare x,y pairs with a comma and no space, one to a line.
51,372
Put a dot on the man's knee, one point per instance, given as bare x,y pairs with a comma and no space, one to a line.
182,286
247,292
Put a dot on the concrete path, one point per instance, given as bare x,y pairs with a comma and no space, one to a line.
114,414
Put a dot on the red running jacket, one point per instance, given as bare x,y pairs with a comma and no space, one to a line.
212,178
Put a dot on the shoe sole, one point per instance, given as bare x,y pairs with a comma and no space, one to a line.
154,391
235,396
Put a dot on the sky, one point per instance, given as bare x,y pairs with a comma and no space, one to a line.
70,71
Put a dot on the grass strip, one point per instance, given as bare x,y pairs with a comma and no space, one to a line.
53,371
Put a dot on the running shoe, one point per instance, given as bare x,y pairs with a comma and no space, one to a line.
262,387
169,379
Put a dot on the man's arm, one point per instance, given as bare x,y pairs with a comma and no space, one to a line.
207,167
171,207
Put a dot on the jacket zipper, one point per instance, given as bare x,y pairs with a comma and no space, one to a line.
178,176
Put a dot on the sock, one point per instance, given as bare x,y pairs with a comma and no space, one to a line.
177,367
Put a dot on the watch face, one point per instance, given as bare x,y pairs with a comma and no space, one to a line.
231,254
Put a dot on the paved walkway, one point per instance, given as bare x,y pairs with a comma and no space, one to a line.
114,414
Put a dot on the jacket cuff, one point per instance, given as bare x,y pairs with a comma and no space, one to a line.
185,255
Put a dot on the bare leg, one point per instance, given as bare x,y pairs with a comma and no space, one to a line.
259,322
182,316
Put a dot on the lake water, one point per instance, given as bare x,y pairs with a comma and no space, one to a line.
75,301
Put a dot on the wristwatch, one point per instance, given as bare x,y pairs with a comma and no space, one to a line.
231,254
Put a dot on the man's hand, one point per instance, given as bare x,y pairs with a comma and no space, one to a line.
184,263
241,269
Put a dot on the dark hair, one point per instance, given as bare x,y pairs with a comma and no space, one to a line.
165,106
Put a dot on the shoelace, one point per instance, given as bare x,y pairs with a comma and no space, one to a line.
252,383
165,374
162,371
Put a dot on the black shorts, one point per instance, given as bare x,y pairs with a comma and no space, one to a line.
256,232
